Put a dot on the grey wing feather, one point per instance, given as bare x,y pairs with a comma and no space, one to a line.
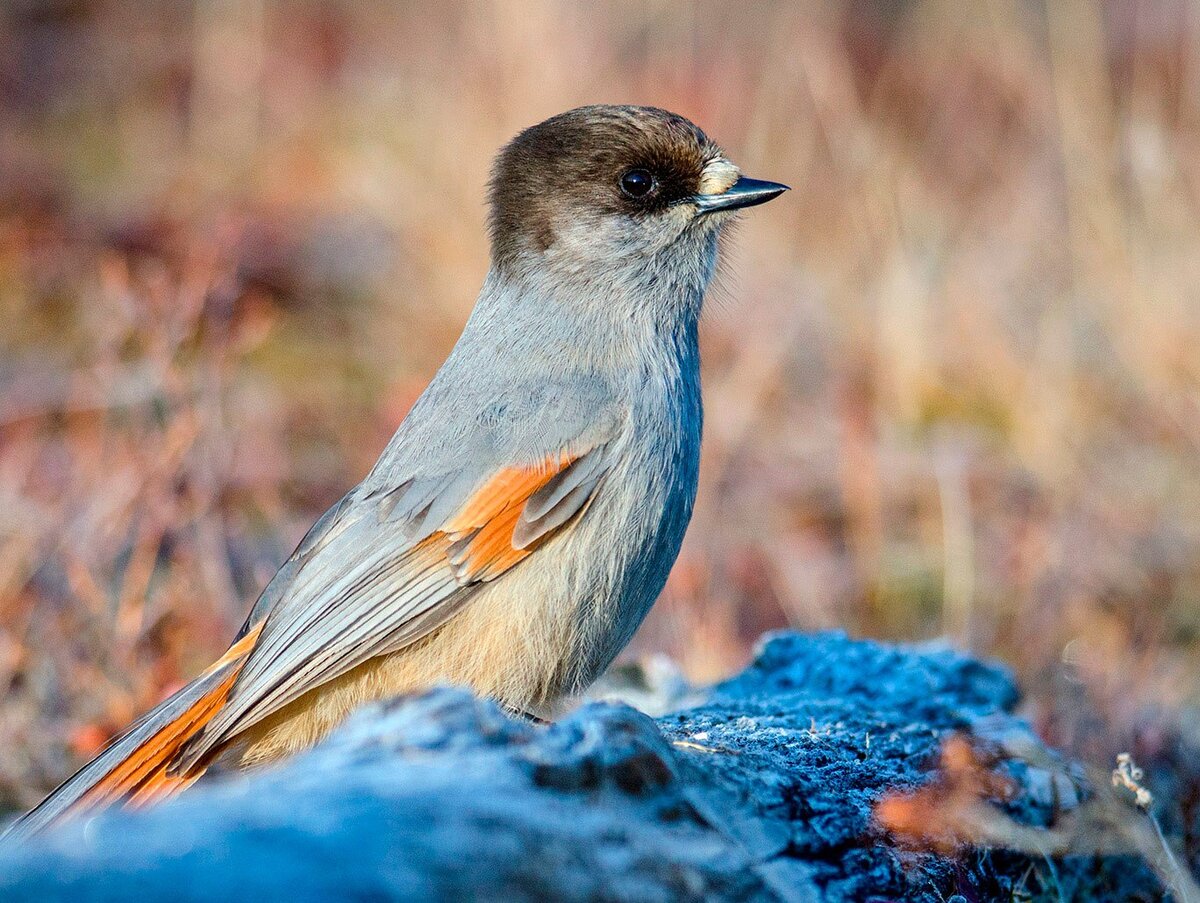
317,534
561,499
358,589
412,503
363,587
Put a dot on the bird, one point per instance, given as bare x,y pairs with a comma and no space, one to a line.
523,518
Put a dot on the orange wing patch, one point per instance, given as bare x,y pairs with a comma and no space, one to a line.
481,534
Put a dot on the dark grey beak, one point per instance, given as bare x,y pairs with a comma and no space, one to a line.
744,193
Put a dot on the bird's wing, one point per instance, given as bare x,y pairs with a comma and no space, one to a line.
380,570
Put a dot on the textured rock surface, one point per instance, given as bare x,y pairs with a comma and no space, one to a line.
763,792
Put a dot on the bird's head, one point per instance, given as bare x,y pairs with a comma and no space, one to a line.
604,193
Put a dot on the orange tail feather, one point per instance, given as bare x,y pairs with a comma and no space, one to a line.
135,768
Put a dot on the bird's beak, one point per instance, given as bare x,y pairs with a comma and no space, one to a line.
743,193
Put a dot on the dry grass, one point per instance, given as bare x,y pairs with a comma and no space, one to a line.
951,379
961,808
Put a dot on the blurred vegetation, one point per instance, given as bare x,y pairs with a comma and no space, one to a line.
952,381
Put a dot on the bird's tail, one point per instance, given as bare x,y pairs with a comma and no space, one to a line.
135,767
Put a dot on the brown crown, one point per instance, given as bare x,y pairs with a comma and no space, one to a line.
571,165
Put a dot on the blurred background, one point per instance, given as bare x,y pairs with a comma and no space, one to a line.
952,379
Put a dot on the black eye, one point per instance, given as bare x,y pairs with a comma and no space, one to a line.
637,183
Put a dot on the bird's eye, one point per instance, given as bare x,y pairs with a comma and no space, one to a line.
637,183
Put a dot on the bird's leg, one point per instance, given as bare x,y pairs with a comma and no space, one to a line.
521,714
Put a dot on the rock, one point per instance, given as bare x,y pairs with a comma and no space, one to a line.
765,791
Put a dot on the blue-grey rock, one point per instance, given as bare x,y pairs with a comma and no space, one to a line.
763,792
